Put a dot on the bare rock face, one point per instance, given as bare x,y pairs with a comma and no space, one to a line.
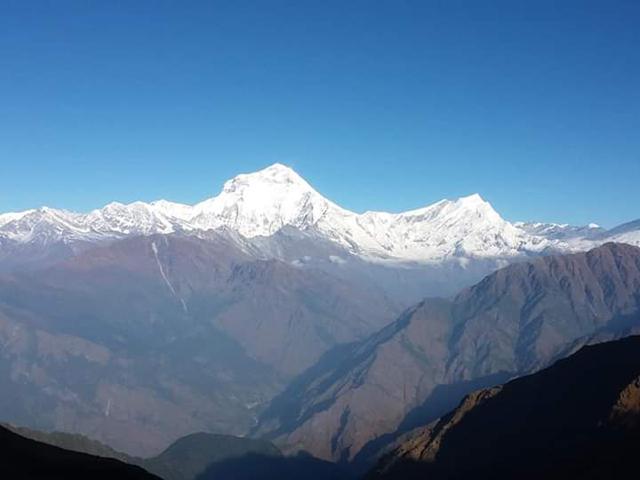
513,322
576,419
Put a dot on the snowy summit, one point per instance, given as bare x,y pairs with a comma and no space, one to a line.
263,202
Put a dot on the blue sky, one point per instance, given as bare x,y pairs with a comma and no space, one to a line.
386,105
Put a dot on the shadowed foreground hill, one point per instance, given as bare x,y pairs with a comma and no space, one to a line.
262,467
190,457
579,418
71,441
204,456
23,458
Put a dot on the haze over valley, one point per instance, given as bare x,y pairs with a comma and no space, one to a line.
260,240
138,324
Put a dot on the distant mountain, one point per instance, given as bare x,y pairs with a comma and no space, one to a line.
203,328
358,398
625,233
564,232
199,332
23,458
262,203
137,324
579,418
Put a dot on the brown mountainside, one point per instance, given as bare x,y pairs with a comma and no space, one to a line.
579,418
515,321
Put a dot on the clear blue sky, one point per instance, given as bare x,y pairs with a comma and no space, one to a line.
384,105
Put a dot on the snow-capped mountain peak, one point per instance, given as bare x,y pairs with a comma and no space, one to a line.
273,175
468,226
276,183
175,210
463,206
13,216
263,202
473,199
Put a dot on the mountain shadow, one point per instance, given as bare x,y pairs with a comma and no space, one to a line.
185,459
579,418
442,400
190,457
266,467
23,458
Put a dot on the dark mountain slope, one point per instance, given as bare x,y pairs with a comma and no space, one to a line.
23,458
190,457
515,321
204,456
71,441
266,467
579,418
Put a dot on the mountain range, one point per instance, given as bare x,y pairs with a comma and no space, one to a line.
194,331
359,398
262,203
269,310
